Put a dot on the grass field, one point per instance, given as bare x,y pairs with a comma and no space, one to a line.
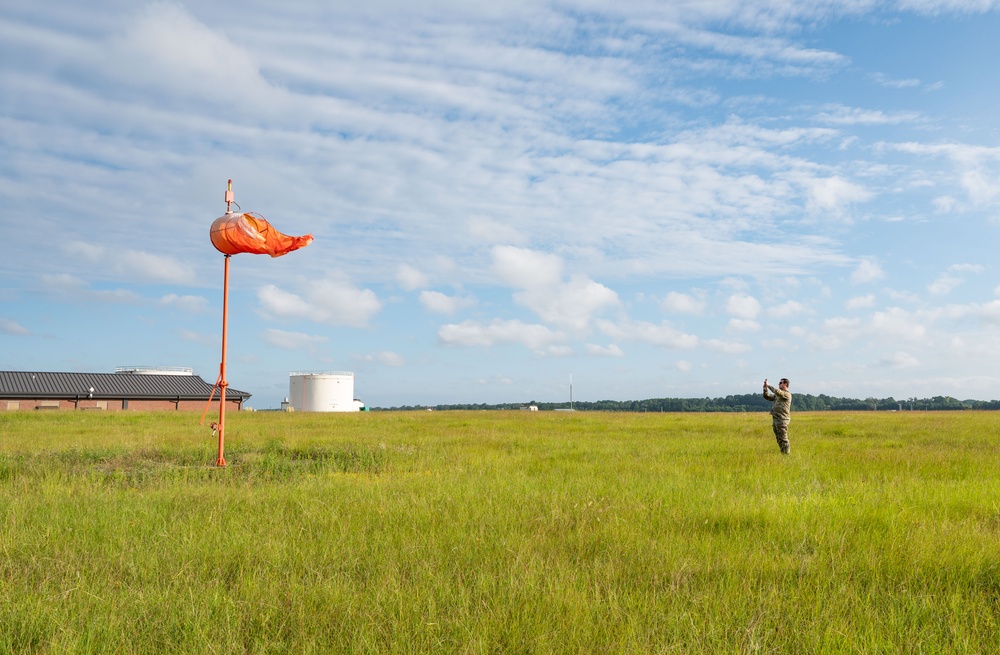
499,532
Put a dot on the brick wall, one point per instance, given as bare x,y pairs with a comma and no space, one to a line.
114,405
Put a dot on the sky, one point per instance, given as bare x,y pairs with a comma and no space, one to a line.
511,201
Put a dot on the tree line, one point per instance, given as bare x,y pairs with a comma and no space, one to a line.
735,403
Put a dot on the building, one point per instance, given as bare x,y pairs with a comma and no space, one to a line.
128,388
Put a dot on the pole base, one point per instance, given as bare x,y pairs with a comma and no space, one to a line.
221,461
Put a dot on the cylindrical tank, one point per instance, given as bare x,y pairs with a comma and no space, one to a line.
322,392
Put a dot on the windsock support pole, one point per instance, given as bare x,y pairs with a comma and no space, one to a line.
222,384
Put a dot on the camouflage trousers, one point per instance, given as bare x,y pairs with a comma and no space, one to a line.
780,427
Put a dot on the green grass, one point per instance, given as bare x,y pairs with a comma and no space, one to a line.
499,532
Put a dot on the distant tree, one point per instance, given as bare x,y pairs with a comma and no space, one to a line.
733,403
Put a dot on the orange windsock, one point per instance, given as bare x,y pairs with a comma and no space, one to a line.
249,232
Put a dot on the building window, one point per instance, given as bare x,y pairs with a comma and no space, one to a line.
13,404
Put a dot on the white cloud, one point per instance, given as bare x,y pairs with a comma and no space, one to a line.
683,366
834,194
903,296
842,325
902,359
8,326
861,302
167,49
88,251
884,80
390,358
161,269
987,312
538,338
837,332
279,302
201,338
897,323
330,301
975,168
840,115
944,284
410,278
743,306
981,186
386,357
948,281
742,325
190,304
135,265
787,309
487,230
945,204
682,303
659,335
727,347
439,303
293,340
868,270
570,304
527,269
73,288
610,350
496,379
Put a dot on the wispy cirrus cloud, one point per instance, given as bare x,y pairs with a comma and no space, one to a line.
12,327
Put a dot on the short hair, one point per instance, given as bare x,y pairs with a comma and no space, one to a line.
785,380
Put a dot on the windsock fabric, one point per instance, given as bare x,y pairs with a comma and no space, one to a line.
249,232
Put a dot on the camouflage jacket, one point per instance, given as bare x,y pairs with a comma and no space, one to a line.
782,407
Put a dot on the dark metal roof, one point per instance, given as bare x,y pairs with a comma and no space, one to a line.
22,384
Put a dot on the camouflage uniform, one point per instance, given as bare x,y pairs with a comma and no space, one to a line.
781,415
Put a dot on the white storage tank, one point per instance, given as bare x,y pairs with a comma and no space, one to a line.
331,391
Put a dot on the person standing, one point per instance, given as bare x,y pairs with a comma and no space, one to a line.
781,411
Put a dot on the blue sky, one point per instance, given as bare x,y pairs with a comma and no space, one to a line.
659,199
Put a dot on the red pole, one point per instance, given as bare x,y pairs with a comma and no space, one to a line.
222,368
